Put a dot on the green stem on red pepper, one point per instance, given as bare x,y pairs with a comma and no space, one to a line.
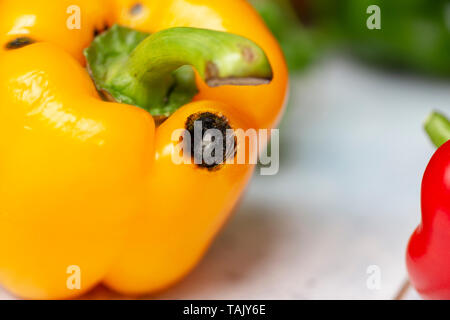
154,72
428,253
438,128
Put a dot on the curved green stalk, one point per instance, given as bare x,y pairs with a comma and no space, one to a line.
150,71
438,128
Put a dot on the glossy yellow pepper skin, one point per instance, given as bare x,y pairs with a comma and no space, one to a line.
48,20
72,172
91,183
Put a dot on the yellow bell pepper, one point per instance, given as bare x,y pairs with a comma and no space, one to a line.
91,183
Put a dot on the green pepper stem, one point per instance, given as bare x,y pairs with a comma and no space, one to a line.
219,58
148,76
438,128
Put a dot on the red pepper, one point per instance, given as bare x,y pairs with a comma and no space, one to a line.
428,253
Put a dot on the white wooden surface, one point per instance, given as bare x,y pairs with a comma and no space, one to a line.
346,197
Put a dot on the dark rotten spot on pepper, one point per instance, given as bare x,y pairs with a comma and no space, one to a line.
213,79
248,54
19,43
209,121
211,70
136,9
101,30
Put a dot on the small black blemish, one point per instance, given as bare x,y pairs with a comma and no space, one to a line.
211,71
136,9
248,54
98,31
19,43
208,121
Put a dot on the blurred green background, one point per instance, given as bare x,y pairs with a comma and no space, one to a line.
414,34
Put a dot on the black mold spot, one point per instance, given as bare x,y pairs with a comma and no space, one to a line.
101,30
210,120
19,43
